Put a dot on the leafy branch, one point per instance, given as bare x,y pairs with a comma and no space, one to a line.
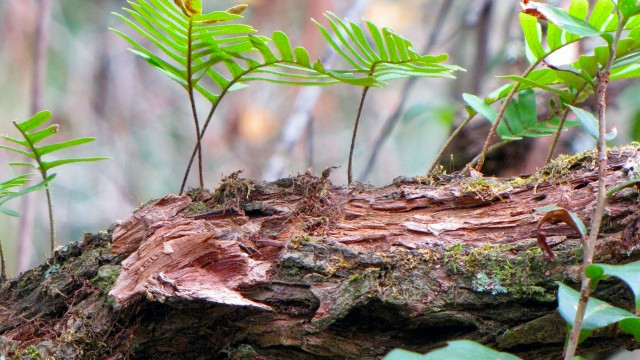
28,147
7,193
393,57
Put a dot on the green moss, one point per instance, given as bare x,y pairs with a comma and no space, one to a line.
485,188
492,269
106,277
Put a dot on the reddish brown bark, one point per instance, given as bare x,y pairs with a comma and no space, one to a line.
300,269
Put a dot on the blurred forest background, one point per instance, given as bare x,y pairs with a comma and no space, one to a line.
142,120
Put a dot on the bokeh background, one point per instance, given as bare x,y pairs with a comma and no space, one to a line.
142,120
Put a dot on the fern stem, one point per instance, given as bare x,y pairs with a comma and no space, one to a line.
355,131
193,104
601,202
195,149
52,221
444,147
3,269
503,108
556,137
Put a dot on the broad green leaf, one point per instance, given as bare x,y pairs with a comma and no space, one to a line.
565,216
567,22
601,13
629,273
459,350
598,314
590,123
400,354
628,8
532,83
480,107
532,35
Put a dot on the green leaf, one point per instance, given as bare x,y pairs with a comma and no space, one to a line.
35,121
6,194
63,145
590,123
601,13
400,354
631,183
598,314
567,22
629,8
51,164
532,35
629,273
459,350
284,47
479,106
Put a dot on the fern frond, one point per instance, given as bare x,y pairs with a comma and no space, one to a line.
386,56
7,193
32,137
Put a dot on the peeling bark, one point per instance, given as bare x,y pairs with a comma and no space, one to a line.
300,269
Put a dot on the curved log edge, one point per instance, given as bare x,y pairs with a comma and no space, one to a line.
300,269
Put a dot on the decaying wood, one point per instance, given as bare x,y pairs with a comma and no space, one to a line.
300,269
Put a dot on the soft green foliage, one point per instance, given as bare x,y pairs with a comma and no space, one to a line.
460,350
570,83
392,57
521,116
628,273
196,47
32,136
599,314
590,123
7,191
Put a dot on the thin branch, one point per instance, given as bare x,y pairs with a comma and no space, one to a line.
193,106
393,119
503,108
447,143
355,130
589,248
563,119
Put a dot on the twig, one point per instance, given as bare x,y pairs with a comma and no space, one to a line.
355,131
589,248
297,121
393,119
503,108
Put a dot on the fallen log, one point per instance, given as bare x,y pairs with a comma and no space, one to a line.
301,269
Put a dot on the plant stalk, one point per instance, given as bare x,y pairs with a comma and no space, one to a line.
353,137
3,269
589,248
52,221
503,108
193,106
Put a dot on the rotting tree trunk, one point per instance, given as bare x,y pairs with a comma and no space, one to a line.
299,269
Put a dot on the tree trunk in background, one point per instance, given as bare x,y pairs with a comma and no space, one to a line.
300,269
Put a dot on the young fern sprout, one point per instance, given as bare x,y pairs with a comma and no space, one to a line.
8,192
28,146
387,56
195,47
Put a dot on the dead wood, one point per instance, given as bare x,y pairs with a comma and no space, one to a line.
301,269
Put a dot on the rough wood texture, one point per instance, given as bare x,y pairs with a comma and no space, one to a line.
299,269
